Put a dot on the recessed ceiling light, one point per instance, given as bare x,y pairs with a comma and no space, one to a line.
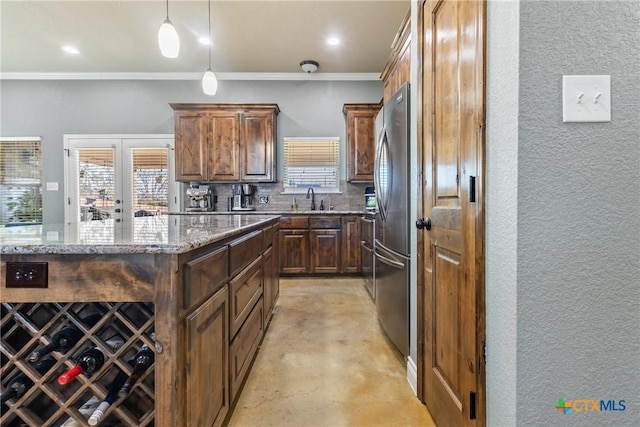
333,41
204,40
70,49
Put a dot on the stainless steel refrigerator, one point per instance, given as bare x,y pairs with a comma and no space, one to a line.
391,247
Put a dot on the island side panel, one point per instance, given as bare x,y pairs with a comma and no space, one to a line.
85,278
169,363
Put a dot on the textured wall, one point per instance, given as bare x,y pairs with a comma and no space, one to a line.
578,266
501,210
53,108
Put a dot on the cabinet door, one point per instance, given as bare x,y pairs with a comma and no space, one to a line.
267,286
207,363
325,251
294,251
361,142
224,148
257,147
275,282
351,258
191,146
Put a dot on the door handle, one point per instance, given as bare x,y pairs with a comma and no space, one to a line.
423,223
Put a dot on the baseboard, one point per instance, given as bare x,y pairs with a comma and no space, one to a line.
412,375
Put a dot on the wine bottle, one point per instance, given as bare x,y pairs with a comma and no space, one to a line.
141,362
22,382
65,338
90,361
112,396
86,409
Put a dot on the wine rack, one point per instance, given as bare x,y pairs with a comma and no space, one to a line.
25,327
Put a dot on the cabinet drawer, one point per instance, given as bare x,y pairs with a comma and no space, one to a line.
245,250
267,237
245,290
324,222
244,347
203,276
301,222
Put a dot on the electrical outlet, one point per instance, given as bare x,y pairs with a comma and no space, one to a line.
263,199
27,275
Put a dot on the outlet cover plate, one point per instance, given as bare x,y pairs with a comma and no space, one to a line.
27,275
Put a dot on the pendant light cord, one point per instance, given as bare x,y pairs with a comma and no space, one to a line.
210,38
167,9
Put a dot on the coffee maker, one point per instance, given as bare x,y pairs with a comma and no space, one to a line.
200,198
242,199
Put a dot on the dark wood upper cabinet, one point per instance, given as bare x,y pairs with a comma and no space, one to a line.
397,70
226,142
361,140
191,161
223,146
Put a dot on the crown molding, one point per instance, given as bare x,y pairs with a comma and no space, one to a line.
192,76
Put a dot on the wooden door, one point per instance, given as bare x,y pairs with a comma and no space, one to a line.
351,256
294,251
224,148
361,141
325,251
207,363
191,146
257,146
452,256
267,282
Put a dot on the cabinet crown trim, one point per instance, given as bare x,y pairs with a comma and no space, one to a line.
228,107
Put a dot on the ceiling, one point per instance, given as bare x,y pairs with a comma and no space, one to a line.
248,36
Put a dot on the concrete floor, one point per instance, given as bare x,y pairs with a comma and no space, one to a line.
325,362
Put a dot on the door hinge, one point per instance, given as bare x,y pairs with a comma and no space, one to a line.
484,352
472,405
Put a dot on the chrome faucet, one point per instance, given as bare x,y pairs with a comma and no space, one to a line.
313,198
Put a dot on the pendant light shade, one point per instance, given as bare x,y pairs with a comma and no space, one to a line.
168,39
209,82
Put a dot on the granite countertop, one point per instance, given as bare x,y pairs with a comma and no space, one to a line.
151,235
275,212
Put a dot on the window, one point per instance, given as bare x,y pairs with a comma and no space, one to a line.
20,180
311,162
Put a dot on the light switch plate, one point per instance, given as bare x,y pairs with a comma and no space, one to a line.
586,98
52,186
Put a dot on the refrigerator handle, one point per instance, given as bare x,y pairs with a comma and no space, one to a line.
389,261
376,172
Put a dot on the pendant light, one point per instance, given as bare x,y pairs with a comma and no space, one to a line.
168,39
209,80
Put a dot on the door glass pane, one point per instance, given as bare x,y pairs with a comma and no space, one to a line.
150,181
96,182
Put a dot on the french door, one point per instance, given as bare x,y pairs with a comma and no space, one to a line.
116,178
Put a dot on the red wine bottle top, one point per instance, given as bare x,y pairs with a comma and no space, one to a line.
70,374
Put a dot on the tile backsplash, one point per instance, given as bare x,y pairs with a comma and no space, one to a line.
350,198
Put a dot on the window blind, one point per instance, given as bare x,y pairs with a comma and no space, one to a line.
311,162
151,181
20,180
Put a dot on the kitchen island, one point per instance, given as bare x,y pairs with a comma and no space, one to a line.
197,289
